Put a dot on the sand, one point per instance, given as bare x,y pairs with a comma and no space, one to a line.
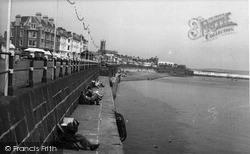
134,76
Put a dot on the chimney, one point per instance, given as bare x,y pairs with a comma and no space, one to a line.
46,18
51,20
69,33
18,20
39,16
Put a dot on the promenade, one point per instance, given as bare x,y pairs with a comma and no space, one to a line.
98,124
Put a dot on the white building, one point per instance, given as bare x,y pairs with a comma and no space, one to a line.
165,63
63,38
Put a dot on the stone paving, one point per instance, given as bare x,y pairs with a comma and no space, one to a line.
98,124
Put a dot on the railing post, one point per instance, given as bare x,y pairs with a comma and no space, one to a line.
66,69
71,66
10,75
54,67
78,62
78,65
31,70
61,68
83,65
74,64
44,78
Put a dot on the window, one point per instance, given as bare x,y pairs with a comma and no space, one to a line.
11,33
21,33
32,34
68,40
20,42
42,43
47,37
32,26
21,25
32,43
68,47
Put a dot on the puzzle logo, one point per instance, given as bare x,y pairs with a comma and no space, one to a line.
210,28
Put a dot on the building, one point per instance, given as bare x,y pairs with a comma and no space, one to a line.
83,44
103,50
76,45
63,39
33,31
39,32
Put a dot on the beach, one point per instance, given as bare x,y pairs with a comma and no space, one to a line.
184,114
143,75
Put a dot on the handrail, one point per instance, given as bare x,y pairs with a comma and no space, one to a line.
69,65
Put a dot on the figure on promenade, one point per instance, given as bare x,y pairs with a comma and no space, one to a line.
89,100
90,92
67,138
96,83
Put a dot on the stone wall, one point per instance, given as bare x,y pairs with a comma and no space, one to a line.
30,116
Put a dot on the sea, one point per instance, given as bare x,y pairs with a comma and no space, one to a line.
185,115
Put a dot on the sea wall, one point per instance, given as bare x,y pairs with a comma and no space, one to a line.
30,116
136,69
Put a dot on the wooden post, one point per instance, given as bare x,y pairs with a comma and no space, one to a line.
54,68
7,50
44,78
10,74
61,69
78,65
71,61
66,69
74,63
31,70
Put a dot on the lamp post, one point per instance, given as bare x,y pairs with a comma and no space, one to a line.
7,50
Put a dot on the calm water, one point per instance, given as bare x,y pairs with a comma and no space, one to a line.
185,115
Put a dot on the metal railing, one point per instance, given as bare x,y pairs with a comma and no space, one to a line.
64,66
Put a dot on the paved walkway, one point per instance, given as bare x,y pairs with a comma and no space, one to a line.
98,124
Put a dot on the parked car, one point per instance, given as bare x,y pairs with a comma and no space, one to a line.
57,56
38,53
49,55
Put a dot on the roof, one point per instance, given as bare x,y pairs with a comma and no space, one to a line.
43,22
62,32
24,18
165,62
76,37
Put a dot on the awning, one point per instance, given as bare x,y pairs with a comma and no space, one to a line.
34,50
47,53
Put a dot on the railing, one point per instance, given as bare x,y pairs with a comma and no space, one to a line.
14,73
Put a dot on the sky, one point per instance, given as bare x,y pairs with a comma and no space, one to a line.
149,28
